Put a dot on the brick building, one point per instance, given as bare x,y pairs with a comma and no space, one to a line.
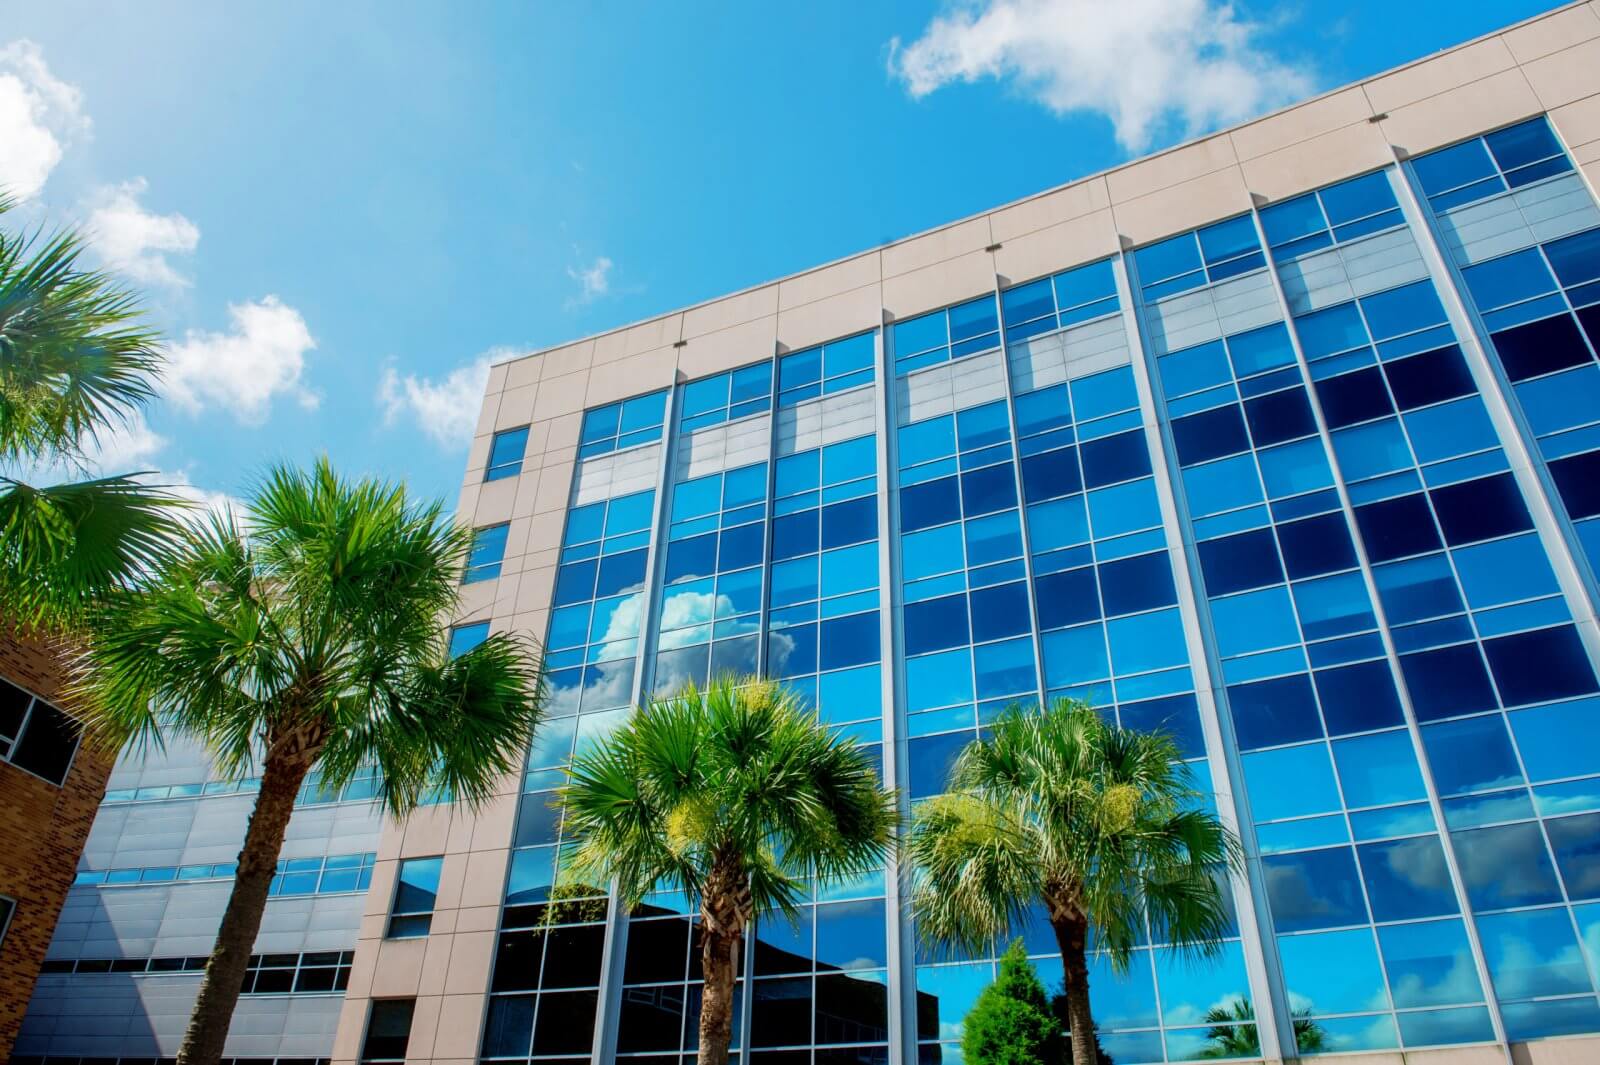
50,788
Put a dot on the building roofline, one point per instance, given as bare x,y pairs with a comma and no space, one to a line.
1098,174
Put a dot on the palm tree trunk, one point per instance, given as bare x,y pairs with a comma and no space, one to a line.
281,777
719,956
1072,937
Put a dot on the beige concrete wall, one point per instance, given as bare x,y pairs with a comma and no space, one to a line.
1549,63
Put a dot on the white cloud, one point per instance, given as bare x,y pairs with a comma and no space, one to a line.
242,370
134,241
124,448
445,409
1146,64
593,280
39,116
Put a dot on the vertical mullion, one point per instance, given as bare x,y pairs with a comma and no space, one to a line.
1391,655
896,747
1556,532
608,1012
1274,1023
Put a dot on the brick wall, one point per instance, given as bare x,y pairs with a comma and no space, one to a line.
42,831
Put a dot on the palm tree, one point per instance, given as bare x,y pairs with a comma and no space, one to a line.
309,637
75,364
1232,1031
1099,824
733,795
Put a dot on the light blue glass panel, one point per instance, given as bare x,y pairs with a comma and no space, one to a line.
1124,508
939,680
1254,621
1290,782
1147,641
1333,972
1379,769
1058,523
1189,989
1429,964
1294,468
1074,656
1215,487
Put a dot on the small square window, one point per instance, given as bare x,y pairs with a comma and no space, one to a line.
505,454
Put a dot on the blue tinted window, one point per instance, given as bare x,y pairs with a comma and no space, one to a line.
1407,879
1546,664
1111,459
1290,782
1314,889
1273,712
1379,769
464,638
1474,754
620,425
487,551
1447,682
1237,563
1504,866
1357,698
1429,964
505,454
961,330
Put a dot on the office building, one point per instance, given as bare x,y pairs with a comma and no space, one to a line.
1284,440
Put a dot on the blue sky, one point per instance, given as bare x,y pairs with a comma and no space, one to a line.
340,211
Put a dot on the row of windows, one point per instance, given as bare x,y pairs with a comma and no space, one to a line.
267,974
363,788
330,874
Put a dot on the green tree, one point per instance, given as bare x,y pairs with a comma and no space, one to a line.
309,636
1012,1022
76,363
734,796
1100,825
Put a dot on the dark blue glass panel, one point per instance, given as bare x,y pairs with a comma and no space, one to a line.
1055,473
1358,197
931,759
1067,598
803,367
1177,715
973,318
1274,712
932,503
1481,509
850,641
1027,302
1314,889
1169,258
1534,667
987,490
935,624
1353,397
1524,143
1432,377
1451,167
1235,563
620,573
1115,458
1001,611
1575,259
795,534
1541,347
1417,588
1576,841
1358,698
1447,682
1396,528
792,651
1408,878
1316,545
1505,866
1209,435
1281,416
575,582
1471,755
852,522
740,547
1226,240
1134,584
694,557
1578,479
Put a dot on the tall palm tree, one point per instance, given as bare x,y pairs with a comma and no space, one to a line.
76,363
1099,824
733,795
309,637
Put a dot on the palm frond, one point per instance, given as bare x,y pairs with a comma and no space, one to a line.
65,546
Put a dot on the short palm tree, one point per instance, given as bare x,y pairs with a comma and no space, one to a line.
1232,1031
75,363
309,636
1100,825
734,795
